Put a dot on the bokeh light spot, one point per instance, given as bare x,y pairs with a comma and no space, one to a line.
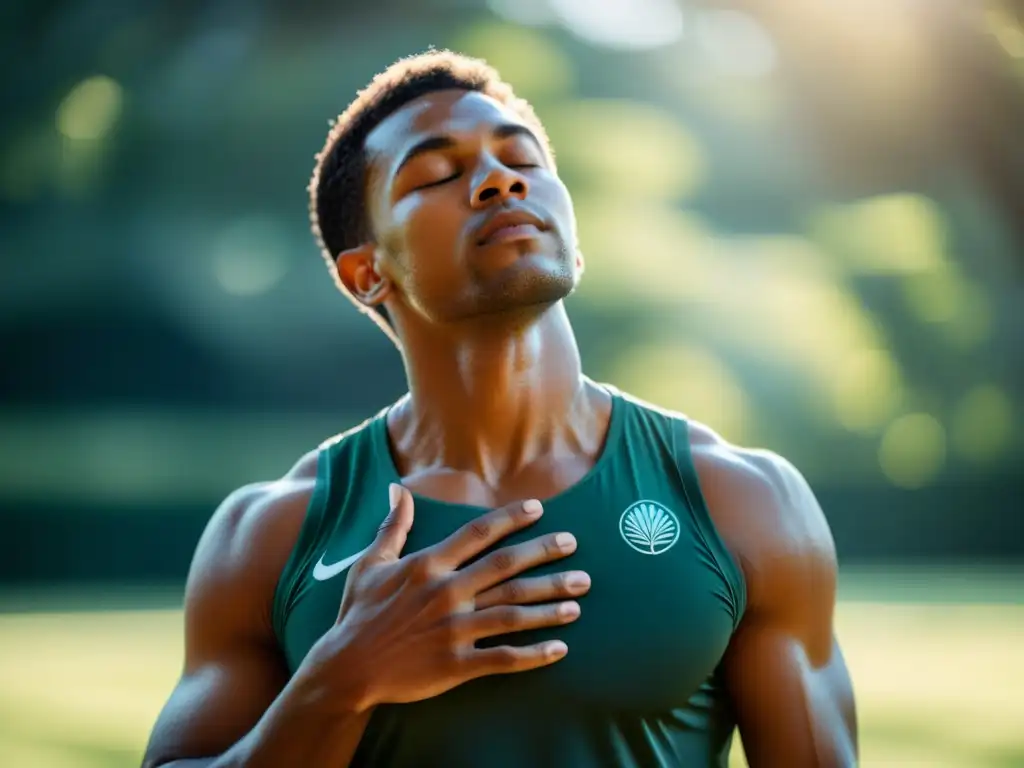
735,44
529,12
1001,24
973,326
867,389
91,109
250,257
691,380
777,298
888,234
661,160
983,423
913,450
641,251
535,66
623,24
934,298
948,299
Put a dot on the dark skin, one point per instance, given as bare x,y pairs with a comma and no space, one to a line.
498,410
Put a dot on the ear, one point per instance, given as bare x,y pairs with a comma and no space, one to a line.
357,271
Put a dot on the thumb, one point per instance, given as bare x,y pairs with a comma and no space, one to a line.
393,531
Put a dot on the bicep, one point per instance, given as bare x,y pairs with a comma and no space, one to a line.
792,707
233,667
788,679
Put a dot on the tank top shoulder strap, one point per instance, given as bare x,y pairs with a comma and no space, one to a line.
344,463
722,558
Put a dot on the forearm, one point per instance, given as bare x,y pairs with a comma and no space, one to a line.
299,728
308,724
278,741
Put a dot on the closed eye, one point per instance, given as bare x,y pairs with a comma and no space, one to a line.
456,175
439,182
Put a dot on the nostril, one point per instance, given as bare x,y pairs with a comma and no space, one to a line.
488,193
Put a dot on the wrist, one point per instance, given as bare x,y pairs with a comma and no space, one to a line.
334,679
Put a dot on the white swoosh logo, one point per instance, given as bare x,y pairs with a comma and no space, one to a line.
322,572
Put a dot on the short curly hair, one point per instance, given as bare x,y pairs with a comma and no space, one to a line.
337,189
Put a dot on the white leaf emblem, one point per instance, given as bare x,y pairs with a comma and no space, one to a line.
649,527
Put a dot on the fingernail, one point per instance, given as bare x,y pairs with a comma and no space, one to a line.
565,541
394,493
578,581
569,610
556,649
532,508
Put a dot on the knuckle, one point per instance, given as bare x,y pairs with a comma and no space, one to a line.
447,596
560,582
510,618
421,570
507,656
480,529
452,657
459,655
387,523
486,599
359,567
504,560
514,591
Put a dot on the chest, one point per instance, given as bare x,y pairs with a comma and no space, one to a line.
652,628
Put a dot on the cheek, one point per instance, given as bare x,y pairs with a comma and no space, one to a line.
429,232
557,202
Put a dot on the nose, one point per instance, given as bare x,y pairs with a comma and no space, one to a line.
498,184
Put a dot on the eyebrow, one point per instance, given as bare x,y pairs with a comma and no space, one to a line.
435,143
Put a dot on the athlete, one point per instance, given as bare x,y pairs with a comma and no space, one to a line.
512,565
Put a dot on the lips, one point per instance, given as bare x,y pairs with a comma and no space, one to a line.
508,226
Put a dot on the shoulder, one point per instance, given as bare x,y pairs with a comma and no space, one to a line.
247,542
263,518
260,511
767,515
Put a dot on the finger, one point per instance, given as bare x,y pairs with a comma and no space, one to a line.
393,531
506,562
535,589
479,534
504,619
504,659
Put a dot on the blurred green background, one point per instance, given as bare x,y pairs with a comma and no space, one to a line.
803,224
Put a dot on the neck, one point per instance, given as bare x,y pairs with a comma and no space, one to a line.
489,400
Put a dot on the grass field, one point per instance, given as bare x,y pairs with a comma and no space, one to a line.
937,658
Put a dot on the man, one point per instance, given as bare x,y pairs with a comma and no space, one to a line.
700,582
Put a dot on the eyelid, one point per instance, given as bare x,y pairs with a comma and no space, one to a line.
456,174
450,177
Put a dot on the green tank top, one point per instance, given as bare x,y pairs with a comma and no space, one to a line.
641,684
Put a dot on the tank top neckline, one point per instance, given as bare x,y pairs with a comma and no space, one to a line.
613,434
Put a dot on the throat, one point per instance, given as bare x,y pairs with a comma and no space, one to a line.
536,458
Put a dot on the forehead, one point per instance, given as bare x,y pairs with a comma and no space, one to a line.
449,112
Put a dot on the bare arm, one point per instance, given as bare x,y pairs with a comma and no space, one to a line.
416,617
784,668
234,704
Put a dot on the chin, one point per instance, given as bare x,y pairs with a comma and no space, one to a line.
530,285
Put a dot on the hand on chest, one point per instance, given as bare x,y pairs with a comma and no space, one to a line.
653,625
